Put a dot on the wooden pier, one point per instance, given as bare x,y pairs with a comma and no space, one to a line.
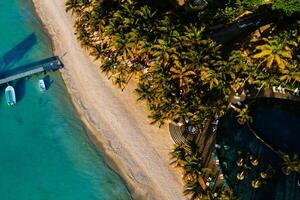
52,65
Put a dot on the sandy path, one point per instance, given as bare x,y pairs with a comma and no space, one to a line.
139,150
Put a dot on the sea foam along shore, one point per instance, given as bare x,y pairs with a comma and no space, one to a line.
137,150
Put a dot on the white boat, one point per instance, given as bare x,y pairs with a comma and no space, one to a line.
10,95
42,85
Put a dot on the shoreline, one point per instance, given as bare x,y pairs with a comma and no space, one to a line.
119,126
81,111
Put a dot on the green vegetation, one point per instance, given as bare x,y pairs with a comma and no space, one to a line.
291,164
188,158
181,71
288,7
243,115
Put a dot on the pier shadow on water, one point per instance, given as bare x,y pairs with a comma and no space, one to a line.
18,52
20,84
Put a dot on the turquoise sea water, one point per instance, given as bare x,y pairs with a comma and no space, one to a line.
44,151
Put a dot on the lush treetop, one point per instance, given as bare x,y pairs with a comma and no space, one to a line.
289,7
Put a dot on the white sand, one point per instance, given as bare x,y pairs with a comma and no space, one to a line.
139,151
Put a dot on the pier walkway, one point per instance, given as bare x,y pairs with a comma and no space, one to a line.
49,64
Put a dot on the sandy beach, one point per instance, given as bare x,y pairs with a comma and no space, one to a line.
137,150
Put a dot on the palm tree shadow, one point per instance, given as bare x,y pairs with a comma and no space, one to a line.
18,52
48,81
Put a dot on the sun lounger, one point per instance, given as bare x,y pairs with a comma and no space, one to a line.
296,92
279,88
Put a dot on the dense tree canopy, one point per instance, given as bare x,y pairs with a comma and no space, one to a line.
288,7
182,73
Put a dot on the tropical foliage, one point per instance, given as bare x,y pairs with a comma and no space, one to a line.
182,73
243,114
288,7
291,163
188,158
275,53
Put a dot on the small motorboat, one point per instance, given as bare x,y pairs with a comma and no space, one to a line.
42,85
10,95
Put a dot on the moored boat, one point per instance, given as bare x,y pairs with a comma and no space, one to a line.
42,85
10,95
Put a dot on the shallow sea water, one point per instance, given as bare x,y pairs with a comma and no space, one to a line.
45,153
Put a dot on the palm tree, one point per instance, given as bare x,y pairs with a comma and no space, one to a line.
145,14
86,3
193,166
77,6
193,36
164,51
228,195
194,190
178,156
73,5
84,37
290,164
243,116
274,53
120,79
209,77
108,64
291,75
184,77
